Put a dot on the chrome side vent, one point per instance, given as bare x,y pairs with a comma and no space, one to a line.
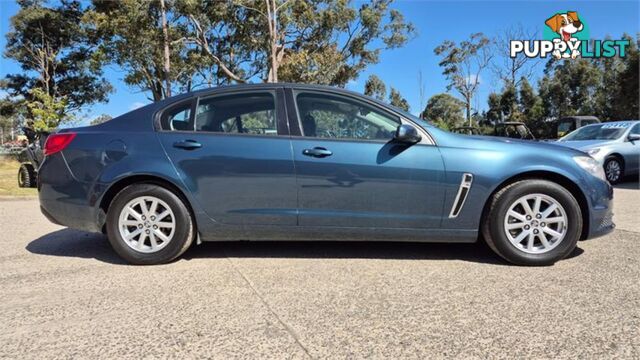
463,191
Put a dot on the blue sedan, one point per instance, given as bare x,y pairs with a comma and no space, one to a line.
302,162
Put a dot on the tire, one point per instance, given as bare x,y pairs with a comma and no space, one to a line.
565,218
26,176
614,169
177,226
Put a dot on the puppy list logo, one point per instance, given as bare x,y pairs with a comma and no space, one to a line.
566,36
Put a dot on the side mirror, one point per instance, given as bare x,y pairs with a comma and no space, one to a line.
407,134
633,137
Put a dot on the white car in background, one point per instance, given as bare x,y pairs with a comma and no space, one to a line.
615,145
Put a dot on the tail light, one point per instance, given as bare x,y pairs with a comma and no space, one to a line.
57,142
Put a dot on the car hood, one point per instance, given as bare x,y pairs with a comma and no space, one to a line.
502,144
583,144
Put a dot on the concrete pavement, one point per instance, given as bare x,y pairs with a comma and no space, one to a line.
65,293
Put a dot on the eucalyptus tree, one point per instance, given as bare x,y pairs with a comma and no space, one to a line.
60,63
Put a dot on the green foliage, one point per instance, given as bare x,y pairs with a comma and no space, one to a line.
129,34
494,114
396,99
445,111
375,87
100,119
47,112
332,41
509,103
56,54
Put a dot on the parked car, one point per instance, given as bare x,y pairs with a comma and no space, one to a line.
467,130
568,124
514,130
303,162
615,145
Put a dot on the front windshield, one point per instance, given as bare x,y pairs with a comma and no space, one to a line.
598,132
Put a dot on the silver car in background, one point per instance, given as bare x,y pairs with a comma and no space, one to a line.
615,145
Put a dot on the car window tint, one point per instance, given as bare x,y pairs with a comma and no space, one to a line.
635,129
178,118
329,116
240,114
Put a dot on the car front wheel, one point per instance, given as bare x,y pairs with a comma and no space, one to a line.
148,224
533,222
614,170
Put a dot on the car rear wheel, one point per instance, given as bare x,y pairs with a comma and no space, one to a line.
148,224
533,222
614,170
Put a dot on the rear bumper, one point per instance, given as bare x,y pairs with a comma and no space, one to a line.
63,199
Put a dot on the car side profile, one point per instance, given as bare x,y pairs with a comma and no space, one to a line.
304,162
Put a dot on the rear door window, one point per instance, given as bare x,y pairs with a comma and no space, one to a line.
178,117
248,113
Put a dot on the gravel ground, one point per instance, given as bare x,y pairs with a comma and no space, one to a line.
65,294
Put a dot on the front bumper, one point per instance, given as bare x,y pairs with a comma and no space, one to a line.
600,194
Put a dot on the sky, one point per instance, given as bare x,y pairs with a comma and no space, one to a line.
435,22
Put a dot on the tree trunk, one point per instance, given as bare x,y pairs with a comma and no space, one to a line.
468,107
272,22
167,59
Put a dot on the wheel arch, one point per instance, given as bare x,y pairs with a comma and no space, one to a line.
557,178
119,185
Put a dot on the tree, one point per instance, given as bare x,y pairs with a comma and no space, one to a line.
511,70
375,87
141,38
494,114
530,103
322,41
57,56
462,65
397,100
47,112
223,38
569,88
444,109
10,118
627,94
100,119
509,103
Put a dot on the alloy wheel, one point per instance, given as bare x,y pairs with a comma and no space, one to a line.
613,170
535,223
147,224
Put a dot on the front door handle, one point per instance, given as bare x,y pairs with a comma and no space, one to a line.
318,152
187,144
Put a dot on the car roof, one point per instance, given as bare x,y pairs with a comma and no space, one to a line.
580,117
257,86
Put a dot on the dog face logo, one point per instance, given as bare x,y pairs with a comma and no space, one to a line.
565,25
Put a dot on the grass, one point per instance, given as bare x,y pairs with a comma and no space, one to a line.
9,180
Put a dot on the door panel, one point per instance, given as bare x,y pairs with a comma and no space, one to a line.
238,166
369,184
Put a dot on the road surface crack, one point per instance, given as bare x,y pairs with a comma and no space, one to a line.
286,326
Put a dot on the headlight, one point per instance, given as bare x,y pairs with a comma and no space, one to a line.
591,166
593,151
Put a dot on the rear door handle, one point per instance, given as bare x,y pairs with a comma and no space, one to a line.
318,152
187,144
